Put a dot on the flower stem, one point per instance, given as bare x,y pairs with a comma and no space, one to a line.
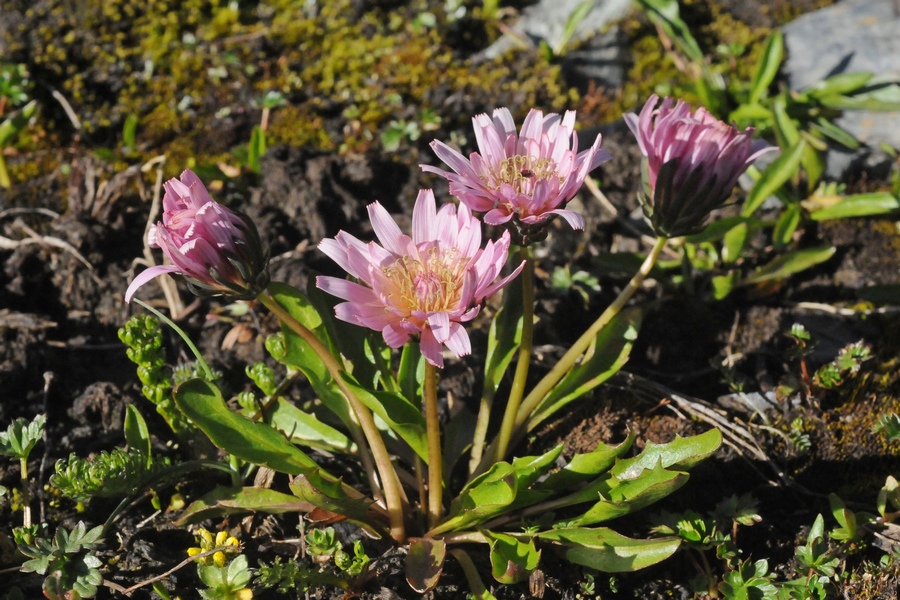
26,495
393,493
433,432
524,361
571,357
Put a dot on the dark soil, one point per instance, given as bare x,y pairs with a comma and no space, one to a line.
71,238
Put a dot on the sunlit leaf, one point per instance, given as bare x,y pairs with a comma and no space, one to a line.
789,263
680,453
512,560
254,442
227,500
402,416
779,172
587,466
605,550
136,433
305,428
859,205
767,66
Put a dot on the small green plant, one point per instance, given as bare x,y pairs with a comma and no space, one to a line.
221,567
889,425
18,441
581,282
67,559
322,544
828,376
109,474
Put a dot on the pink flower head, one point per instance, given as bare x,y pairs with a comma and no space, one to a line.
691,163
217,250
526,178
428,284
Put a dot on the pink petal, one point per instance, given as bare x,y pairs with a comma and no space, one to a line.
439,323
146,276
385,228
424,217
431,349
458,342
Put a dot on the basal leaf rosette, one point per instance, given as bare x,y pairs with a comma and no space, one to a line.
521,179
426,285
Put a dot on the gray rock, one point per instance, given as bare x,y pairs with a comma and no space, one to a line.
848,37
601,59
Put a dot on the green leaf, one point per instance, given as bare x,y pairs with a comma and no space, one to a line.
228,500
779,172
304,428
488,495
605,550
789,263
289,349
786,225
608,354
254,442
846,518
843,83
401,416
767,67
411,372
826,129
531,468
323,491
723,285
680,453
425,563
136,433
256,148
21,436
665,15
512,560
16,122
719,228
631,495
504,337
572,23
785,128
734,241
129,133
362,349
883,97
859,205
584,467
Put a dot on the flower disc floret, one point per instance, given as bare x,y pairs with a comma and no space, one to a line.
692,162
525,178
426,285
217,250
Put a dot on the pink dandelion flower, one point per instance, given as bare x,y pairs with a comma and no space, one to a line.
427,285
216,250
691,163
526,178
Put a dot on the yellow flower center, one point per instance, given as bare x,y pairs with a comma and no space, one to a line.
432,283
522,171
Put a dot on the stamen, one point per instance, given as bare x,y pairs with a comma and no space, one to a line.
432,283
522,172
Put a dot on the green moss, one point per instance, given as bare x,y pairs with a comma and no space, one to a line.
344,72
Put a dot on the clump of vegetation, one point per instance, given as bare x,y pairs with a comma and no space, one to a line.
190,81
